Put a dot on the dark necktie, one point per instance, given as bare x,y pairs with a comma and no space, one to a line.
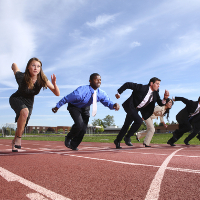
147,103
194,113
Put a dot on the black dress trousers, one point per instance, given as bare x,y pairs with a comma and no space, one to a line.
81,118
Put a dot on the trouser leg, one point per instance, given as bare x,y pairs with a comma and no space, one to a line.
81,118
192,135
178,133
150,131
141,134
128,121
135,126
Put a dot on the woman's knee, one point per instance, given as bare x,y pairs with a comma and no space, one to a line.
24,113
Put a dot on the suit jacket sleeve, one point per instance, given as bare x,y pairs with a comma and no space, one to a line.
128,85
184,100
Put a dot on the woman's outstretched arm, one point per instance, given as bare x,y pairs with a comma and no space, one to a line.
52,86
14,68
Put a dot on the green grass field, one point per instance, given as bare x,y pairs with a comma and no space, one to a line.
157,138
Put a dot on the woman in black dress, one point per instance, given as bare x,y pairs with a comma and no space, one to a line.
29,85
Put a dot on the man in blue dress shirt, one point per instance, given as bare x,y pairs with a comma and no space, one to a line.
79,102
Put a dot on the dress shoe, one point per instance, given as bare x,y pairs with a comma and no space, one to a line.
172,144
186,143
67,142
128,141
117,144
137,137
146,145
198,137
73,148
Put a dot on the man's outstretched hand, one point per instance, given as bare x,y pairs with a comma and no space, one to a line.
116,106
166,94
55,109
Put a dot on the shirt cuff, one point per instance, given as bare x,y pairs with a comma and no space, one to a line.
163,101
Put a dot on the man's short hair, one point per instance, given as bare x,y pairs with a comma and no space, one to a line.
92,76
199,99
154,79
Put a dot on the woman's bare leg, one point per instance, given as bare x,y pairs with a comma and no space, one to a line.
21,125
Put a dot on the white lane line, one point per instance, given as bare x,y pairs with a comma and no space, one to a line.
184,170
137,164
9,176
114,161
154,190
36,196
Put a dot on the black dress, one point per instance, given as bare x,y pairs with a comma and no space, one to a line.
23,97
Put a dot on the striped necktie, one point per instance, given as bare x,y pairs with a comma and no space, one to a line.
147,103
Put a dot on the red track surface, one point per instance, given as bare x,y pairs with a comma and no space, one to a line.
49,170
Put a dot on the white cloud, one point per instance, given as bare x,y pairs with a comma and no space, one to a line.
123,30
135,44
17,39
101,20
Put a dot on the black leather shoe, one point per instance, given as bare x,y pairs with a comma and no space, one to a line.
67,142
73,148
186,143
117,144
172,144
146,145
198,137
128,141
137,137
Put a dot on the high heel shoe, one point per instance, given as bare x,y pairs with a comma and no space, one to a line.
136,135
146,145
13,147
18,146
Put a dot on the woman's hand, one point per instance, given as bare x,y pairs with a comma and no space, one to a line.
53,79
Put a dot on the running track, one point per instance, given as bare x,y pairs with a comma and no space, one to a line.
48,170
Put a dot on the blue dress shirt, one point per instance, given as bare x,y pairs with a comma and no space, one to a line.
82,97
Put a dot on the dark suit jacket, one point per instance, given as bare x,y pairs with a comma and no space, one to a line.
190,108
138,94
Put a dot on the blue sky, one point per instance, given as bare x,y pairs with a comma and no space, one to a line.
121,40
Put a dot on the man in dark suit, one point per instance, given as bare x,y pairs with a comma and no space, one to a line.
143,99
188,116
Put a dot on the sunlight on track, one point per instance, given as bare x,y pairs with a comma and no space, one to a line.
153,193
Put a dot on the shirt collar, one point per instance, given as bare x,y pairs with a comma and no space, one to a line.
92,90
150,90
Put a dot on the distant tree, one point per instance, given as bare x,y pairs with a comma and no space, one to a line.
97,122
50,130
161,124
173,122
41,131
99,130
108,121
60,130
155,124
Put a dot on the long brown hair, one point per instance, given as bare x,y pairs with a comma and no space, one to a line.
167,110
41,77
